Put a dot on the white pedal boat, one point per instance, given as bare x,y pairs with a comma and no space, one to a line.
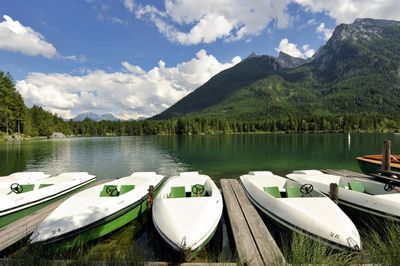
97,211
21,199
187,211
366,196
301,209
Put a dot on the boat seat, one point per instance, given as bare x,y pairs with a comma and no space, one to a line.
293,192
27,188
357,186
104,193
200,194
126,188
177,192
273,191
44,185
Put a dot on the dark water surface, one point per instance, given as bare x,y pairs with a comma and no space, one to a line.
219,156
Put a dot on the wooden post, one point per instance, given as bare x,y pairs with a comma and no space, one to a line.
385,166
334,192
150,197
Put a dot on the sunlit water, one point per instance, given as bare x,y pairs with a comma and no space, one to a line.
219,156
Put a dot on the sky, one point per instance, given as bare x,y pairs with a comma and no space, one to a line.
136,58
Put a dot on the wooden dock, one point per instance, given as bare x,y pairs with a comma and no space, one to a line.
22,228
254,243
346,173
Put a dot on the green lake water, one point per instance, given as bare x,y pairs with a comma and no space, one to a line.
219,156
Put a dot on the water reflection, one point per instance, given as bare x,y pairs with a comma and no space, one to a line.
216,155
104,157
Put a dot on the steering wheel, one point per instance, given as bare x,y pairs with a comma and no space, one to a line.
389,186
16,188
198,189
112,191
306,189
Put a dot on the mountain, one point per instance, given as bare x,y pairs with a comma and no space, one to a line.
95,117
290,61
356,71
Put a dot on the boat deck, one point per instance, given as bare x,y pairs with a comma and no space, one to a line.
254,243
20,229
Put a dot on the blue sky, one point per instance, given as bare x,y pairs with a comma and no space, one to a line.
135,58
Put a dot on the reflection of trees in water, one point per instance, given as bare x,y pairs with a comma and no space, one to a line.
216,155
13,157
233,155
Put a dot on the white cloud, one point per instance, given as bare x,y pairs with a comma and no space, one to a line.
130,93
308,52
129,4
327,33
194,22
16,37
291,49
346,11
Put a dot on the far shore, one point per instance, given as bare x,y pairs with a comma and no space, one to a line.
20,137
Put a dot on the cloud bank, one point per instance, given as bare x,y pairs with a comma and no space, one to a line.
130,93
194,22
190,22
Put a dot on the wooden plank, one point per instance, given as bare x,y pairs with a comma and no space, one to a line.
269,250
343,172
245,245
14,232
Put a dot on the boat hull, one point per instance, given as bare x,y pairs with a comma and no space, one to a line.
288,227
190,254
371,164
175,218
103,227
14,216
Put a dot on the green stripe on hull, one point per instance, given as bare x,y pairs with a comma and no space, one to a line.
105,228
14,216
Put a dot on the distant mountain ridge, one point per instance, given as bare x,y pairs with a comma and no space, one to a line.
95,117
356,71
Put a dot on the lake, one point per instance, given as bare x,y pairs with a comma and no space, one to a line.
219,156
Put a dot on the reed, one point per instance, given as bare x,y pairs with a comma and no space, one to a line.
381,245
302,250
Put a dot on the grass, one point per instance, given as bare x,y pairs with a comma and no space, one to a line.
381,245
302,250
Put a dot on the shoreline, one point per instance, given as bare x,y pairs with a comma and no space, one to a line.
15,138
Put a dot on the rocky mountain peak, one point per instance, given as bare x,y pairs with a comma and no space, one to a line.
289,61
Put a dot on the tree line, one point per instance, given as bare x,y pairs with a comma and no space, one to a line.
15,117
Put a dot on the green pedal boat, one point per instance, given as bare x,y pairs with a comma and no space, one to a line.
97,211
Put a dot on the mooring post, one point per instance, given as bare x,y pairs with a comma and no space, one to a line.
150,197
334,192
386,154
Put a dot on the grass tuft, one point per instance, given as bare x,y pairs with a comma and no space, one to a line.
303,250
382,245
